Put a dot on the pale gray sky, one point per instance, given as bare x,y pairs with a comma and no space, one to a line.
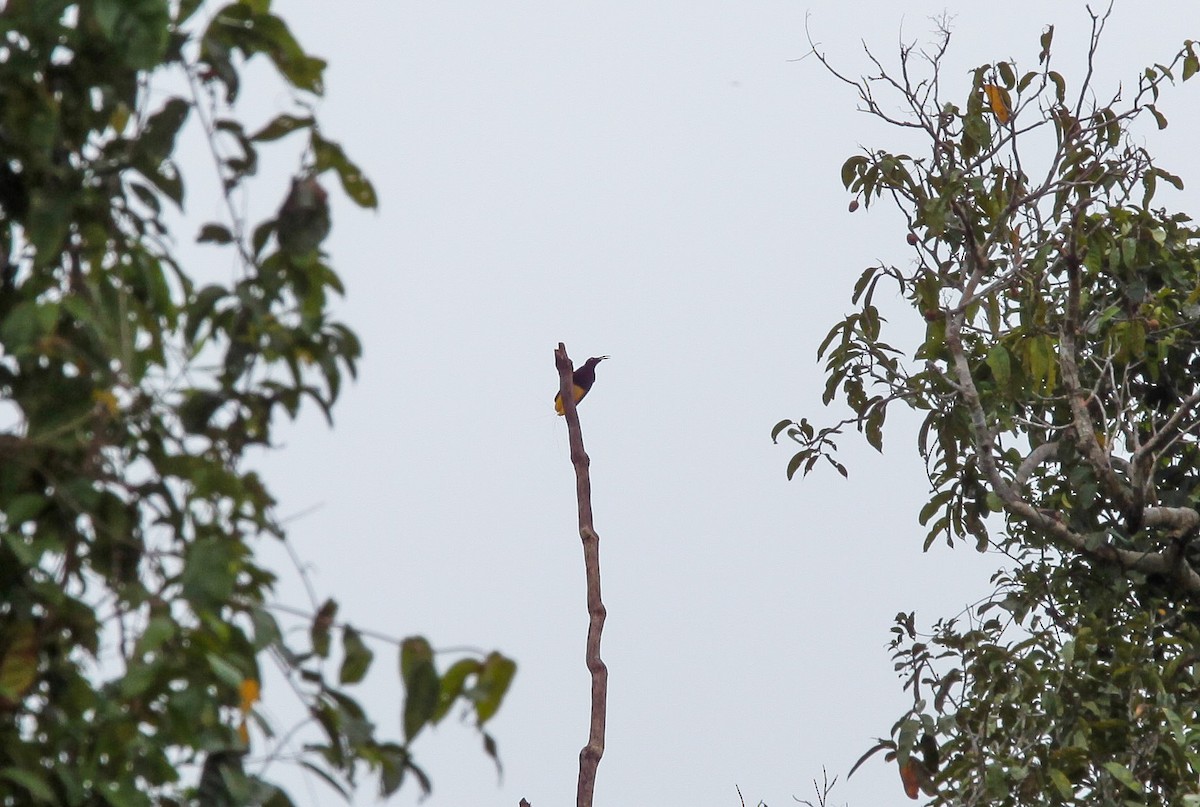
657,182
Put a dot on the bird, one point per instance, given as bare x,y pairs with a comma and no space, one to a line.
917,774
303,221
583,378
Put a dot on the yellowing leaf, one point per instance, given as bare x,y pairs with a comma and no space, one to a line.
19,665
120,118
250,694
1014,238
107,400
249,690
998,101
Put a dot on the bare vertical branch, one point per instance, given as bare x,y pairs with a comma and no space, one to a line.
589,756
1085,426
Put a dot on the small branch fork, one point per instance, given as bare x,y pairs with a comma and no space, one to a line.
589,756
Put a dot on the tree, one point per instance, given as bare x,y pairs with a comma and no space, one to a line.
134,617
1057,381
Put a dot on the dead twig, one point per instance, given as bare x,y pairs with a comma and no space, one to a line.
589,757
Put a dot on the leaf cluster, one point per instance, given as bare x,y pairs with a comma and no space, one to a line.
134,616
1057,385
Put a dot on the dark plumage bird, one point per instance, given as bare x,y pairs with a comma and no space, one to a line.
583,379
303,222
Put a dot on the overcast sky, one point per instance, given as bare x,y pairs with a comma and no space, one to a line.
657,182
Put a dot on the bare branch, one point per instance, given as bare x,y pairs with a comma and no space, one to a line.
1049,522
1030,464
1167,432
1098,21
1085,427
1178,520
589,756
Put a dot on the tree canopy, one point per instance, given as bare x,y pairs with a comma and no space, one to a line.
134,616
1057,383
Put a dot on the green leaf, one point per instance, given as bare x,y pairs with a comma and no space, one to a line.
393,763
330,155
1150,183
327,778
1060,84
254,30
266,629
238,165
1122,775
262,234
159,629
414,651
165,176
33,784
779,427
214,234
200,309
146,196
874,428
157,141
452,685
25,326
998,362
185,9
1174,180
1191,64
1007,77
422,779
139,29
935,504
1041,361
491,685
209,572
281,126
356,657
852,168
24,507
225,672
1129,252
49,219
795,463
197,410
138,679
421,685
935,339
1046,39
301,70
1061,783
489,748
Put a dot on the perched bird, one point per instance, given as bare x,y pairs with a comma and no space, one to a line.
303,221
583,379
917,774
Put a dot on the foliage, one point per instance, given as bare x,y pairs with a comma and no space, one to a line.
134,617
1057,379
